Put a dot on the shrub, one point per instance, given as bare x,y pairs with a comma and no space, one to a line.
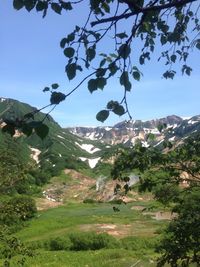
137,243
17,209
92,241
59,243
23,206
91,201
77,242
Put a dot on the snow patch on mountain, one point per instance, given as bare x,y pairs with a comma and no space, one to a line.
92,162
145,144
108,128
192,122
2,99
60,136
88,147
172,138
159,142
35,154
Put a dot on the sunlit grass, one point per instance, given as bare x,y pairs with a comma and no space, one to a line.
100,258
68,218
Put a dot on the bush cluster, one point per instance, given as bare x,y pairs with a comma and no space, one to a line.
78,242
93,241
17,209
91,201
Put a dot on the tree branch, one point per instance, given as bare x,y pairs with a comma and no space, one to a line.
143,10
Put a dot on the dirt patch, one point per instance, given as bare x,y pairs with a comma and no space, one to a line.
111,229
83,179
138,208
45,204
161,215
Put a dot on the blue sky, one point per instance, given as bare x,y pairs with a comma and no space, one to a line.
32,59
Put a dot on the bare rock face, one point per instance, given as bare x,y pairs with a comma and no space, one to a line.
126,132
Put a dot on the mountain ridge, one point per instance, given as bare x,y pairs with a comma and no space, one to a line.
88,146
131,131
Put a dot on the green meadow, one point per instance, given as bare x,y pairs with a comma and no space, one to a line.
130,236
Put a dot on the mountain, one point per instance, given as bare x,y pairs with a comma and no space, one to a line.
85,147
60,147
128,133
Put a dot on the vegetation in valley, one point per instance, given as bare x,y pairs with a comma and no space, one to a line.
82,221
173,177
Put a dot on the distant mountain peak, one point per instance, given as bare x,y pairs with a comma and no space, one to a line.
128,132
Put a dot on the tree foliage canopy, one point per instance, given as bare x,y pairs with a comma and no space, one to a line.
162,174
134,30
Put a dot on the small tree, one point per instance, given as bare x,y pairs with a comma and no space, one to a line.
160,173
181,243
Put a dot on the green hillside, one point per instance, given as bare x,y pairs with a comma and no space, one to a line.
59,148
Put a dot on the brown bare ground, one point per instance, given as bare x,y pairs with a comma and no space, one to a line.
45,204
112,229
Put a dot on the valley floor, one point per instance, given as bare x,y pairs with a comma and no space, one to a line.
131,224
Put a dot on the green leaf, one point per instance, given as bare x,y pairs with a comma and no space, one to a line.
101,82
69,52
9,128
141,60
54,86
163,39
41,5
46,89
66,6
106,7
102,115
113,55
103,61
136,75
57,97
169,74
198,45
27,129
42,130
101,72
124,80
111,104
91,53
197,42
119,110
78,67
92,85
113,69
71,71
56,7
18,4
63,42
70,37
124,51
30,4
173,58
115,107
122,35
29,116
147,26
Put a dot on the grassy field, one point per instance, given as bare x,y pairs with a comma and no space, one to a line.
100,258
127,224
73,217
